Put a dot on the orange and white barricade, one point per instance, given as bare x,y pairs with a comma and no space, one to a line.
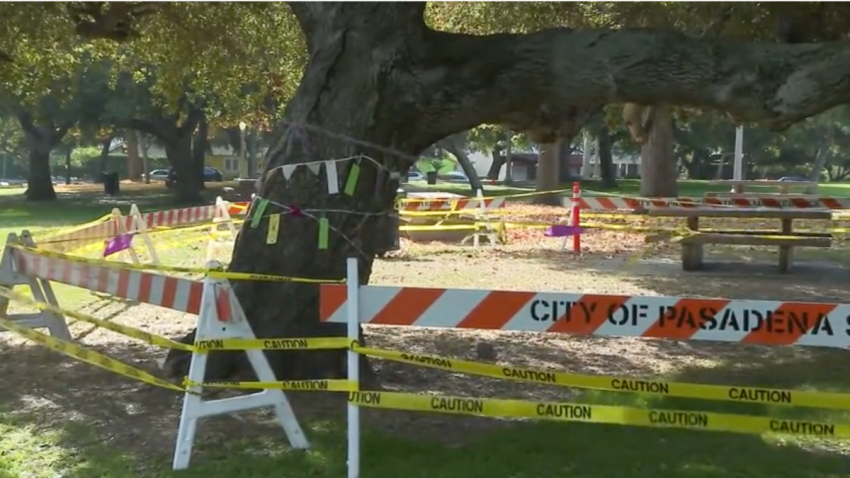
674,318
220,318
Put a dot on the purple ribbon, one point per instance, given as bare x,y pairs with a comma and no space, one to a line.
117,244
562,230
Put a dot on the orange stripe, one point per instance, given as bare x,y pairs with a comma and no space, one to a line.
783,328
587,314
66,272
123,283
684,320
222,304
407,306
196,293
495,310
144,289
169,290
102,279
331,298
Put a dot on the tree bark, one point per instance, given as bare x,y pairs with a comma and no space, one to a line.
178,151
658,165
548,167
381,84
68,152
199,149
39,181
453,146
134,163
41,139
606,159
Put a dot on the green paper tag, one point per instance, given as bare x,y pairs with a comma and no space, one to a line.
258,213
324,228
351,181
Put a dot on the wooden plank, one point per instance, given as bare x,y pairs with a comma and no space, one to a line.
751,240
744,213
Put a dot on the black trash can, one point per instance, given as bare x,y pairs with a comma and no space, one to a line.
111,184
431,177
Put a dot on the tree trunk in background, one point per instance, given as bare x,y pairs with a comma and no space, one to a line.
104,159
68,152
547,174
659,171
496,166
189,182
565,153
144,143
606,159
39,181
134,163
253,140
199,149
453,147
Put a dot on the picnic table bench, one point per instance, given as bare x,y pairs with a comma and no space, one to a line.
785,238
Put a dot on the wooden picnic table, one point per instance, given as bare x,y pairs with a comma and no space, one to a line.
784,187
785,238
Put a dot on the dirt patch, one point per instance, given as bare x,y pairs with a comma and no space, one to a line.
52,390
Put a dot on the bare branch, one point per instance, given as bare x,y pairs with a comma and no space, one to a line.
529,76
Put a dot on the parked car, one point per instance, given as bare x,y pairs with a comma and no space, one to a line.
415,176
212,175
454,176
158,174
793,179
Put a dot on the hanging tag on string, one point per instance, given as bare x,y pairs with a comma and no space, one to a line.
351,181
332,177
324,230
274,228
257,215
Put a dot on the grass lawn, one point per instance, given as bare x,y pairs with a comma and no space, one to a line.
49,433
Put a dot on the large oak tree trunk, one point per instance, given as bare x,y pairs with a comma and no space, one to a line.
659,170
39,182
606,158
548,167
381,84
189,180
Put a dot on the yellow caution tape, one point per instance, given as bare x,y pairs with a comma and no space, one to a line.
577,412
746,394
298,385
450,227
313,343
118,328
220,274
79,227
87,356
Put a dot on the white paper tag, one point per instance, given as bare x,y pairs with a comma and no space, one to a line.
333,178
288,169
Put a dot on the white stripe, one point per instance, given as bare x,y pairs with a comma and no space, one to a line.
134,283
76,274
451,308
44,268
373,299
181,295
157,290
112,281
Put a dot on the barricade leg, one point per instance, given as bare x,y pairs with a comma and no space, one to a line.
40,288
222,317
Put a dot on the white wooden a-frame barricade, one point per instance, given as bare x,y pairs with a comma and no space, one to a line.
139,228
221,216
40,288
221,317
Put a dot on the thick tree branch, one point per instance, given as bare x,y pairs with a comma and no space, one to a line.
494,79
